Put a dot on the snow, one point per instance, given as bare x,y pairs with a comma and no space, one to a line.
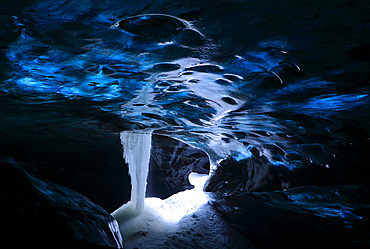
184,220
205,228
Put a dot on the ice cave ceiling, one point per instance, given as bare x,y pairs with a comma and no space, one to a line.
270,97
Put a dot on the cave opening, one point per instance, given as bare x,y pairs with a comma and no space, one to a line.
143,213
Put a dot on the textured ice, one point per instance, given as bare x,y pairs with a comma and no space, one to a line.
276,93
136,152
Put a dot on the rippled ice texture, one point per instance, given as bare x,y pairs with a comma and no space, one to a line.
231,79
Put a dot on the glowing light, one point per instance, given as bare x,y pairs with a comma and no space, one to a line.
140,213
183,203
162,215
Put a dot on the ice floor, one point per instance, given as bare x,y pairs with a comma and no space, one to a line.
184,220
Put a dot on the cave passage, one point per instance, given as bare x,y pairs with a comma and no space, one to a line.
273,97
143,214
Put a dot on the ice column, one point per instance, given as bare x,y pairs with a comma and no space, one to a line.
136,151
154,214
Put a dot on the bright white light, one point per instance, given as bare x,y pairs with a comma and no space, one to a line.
141,214
161,215
183,203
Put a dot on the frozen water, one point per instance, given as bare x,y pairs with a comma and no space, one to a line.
161,215
136,151
140,213
183,203
184,220
204,228
278,89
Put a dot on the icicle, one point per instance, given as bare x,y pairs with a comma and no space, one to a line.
144,214
136,151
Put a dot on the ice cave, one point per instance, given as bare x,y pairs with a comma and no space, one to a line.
185,124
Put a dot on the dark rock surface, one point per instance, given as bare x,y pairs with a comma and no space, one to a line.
306,217
68,145
44,215
171,162
340,161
